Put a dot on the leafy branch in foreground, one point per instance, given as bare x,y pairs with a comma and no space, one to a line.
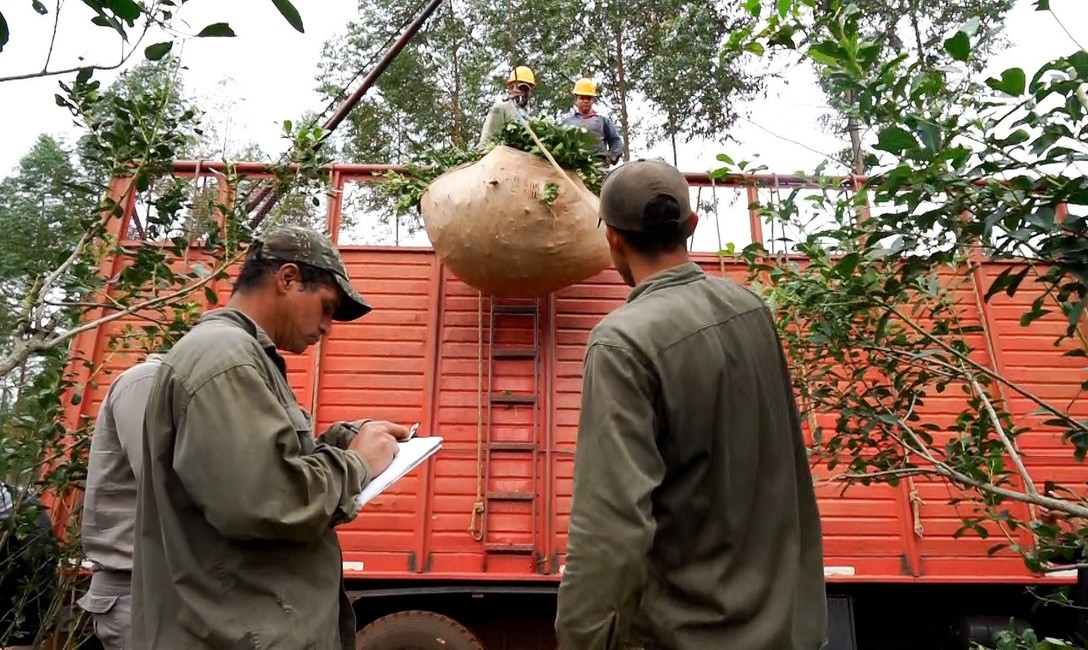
974,221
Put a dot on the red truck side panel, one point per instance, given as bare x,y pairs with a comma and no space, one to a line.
418,357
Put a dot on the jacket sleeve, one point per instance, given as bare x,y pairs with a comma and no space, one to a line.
337,435
492,123
239,457
613,139
617,466
127,403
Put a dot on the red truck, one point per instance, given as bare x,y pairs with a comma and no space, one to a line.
467,551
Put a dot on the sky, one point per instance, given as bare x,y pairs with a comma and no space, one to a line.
269,69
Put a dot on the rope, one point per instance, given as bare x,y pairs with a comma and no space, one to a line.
581,193
474,527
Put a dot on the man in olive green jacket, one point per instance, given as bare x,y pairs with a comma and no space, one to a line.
235,539
694,521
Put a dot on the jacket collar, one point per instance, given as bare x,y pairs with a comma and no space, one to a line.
685,273
240,319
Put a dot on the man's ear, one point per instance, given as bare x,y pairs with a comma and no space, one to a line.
692,222
615,241
288,278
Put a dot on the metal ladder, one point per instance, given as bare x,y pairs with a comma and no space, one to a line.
517,359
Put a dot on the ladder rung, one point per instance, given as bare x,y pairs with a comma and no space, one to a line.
500,398
510,496
501,547
514,353
515,309
512,446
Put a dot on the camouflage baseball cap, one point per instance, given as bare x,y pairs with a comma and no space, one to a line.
310,247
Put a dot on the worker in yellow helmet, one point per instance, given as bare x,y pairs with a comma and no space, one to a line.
511,108
609,143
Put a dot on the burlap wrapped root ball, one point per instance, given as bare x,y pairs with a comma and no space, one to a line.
489,225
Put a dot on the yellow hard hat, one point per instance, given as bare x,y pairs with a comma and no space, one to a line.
585,86
522,73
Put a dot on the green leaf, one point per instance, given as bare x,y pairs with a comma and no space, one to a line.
894,139
959,46
927,133
1042,5
1076,312
1012,82
124,9
158,50
217,30
290,13
826,53
753,7
1007,281
4,34
784,7
40,7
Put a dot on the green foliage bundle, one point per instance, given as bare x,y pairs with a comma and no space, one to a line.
571,147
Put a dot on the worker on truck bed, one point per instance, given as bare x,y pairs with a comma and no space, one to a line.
694,521
609,143
236,542
512,108
109,502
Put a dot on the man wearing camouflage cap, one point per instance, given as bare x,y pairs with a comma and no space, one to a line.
235,530
693,522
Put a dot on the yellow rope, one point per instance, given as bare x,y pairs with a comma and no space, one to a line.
474,527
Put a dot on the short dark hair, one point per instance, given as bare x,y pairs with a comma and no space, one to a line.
256,268
665,230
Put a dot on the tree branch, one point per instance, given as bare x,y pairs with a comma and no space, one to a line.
53,37
132,309
1014,454
45,72
41,340
988,372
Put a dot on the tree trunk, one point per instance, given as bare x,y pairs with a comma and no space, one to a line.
854,129
672,134
917,32
455,101
621,87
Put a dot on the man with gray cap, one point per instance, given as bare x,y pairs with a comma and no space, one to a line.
694,520
238,503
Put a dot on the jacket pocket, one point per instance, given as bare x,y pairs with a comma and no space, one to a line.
97,604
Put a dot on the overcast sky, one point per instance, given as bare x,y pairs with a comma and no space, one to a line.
270,69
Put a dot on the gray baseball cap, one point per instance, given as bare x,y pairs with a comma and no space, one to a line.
629,189
310,247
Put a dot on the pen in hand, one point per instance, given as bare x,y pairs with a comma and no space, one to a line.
411,431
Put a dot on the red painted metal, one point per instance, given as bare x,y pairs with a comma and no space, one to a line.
415,358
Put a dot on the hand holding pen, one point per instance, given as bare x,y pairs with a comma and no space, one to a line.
376,442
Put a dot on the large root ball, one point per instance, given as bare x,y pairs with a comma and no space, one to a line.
490,225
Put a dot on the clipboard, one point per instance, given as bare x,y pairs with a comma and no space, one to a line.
410,455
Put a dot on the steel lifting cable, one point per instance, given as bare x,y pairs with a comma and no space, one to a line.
776,202
717,224
474,526
698,207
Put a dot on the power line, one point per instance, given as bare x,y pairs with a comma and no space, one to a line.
792,141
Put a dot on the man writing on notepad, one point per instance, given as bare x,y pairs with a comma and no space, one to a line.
235,541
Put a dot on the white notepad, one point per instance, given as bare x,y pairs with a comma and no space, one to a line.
409,456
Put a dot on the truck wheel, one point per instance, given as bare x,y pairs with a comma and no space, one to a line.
416,630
